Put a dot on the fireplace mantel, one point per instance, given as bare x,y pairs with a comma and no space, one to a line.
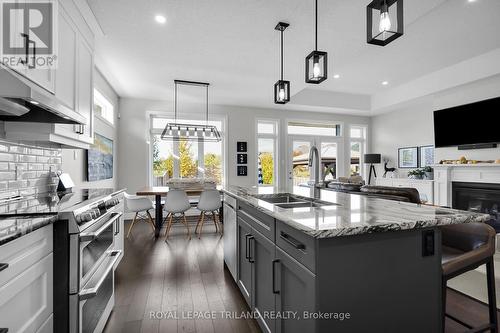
446,174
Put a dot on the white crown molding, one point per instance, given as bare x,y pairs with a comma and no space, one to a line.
88,15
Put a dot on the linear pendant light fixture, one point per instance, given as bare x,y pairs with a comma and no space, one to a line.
282,87
316,61
388,16
190,132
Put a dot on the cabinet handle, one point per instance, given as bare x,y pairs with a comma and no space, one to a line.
274,275
26,48
246,246
292,241
250,256
3,267
34,54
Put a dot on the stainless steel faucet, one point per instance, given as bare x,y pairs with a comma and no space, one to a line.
314,158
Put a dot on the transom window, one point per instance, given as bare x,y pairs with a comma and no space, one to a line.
314,129
185,158
103,107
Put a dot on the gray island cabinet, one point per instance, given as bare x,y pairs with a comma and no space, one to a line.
341,268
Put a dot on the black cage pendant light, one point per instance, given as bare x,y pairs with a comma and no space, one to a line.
316,61
281,87
190,132
384,21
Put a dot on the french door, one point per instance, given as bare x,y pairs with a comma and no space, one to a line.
299,147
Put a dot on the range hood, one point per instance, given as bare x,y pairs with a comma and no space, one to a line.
23,100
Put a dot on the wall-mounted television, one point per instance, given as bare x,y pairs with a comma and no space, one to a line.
471,124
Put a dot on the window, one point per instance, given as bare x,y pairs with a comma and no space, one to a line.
357,135
185,159
300,128
103,107
267,133
329,160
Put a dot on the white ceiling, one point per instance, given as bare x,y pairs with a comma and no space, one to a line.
233,45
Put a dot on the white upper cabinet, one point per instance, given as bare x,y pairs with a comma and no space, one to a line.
85,87
34,68
66,65
71,81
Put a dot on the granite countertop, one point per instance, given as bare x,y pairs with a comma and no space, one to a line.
352,214
12,228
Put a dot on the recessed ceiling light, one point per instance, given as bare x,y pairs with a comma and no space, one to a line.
336,76
160,19
384,83
472,0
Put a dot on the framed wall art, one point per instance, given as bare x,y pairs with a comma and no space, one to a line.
408,158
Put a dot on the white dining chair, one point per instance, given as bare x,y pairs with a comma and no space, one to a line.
138,205
209,203
176,205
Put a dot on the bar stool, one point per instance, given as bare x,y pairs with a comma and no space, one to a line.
210,202
138,205
464,248
176,205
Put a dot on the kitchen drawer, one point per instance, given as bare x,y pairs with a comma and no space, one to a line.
297,244
24,252
261,222
26,301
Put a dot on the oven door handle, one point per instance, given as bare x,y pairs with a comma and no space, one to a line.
91,291
90,236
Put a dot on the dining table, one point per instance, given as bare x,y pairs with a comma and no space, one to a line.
158,192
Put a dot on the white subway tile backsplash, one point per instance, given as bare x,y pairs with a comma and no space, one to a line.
28,169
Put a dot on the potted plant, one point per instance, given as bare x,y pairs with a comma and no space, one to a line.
416,174
429,173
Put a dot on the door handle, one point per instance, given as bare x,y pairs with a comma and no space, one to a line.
3,267
117,229
26,48
250,256
92,287
246,246
276,261
292,241
34,53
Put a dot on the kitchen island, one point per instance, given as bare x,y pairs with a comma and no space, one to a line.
323,261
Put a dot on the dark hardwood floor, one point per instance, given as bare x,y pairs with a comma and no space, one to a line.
184,276
177,277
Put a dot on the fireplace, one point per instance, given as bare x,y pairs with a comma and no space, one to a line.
478,197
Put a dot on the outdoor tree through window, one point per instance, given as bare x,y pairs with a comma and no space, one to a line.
267,131
184,158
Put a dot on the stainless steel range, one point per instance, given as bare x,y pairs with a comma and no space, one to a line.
85,257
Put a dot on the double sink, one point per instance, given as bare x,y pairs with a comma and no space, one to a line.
290,201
